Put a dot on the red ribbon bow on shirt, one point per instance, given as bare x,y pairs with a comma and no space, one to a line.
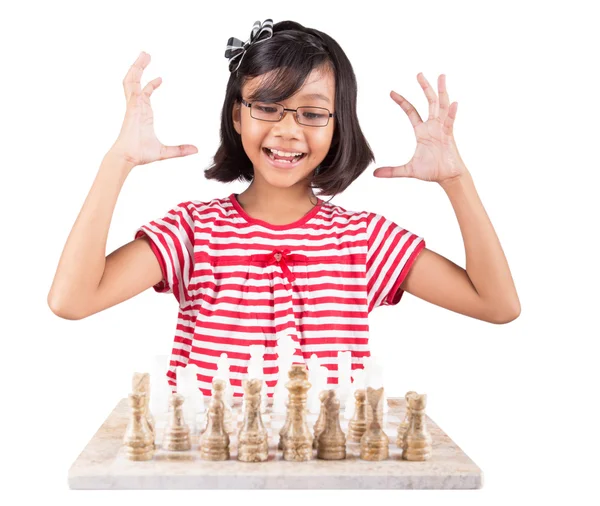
281,257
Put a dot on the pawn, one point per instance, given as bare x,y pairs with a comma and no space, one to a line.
218,392
224,373
177,432
332,441
344,385
358,375
374,445
286,347
255,370
214,441
253,439
312,397
417,443
405,423
358,424
138,439
320,423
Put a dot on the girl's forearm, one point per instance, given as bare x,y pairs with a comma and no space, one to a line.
82,262
486,264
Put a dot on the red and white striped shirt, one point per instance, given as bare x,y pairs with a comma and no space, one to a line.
241,281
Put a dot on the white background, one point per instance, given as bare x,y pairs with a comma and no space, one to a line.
519,399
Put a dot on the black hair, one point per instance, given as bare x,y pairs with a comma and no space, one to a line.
290,55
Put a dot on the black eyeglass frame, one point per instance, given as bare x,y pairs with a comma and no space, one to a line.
331,114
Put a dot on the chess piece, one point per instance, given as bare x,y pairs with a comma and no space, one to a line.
320,423
253,439
161,406
229,420
374,378
313,404
358,376
138,439
161,392
318,380
417,443
214,441
358,425
286,347
255,370
406,422
297,440
195,393
140,384
193,371
286,426
332,441
177,433
344,378
223,373
369,412
374,445
187,386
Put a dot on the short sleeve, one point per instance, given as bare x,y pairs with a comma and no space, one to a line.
391,252
172,240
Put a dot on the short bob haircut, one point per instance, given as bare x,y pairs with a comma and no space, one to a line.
294,52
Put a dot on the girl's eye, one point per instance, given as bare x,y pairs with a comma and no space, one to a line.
267,109
312,115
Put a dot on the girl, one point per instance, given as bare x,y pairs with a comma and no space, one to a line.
276,259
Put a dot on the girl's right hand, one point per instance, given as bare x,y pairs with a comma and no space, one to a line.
137,142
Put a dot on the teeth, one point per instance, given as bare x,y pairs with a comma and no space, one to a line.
282,160
283,153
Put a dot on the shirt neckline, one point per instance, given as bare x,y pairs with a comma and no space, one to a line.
234,201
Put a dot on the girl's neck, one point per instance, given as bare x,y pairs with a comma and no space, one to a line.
278,206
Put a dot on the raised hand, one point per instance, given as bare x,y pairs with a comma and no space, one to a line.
436,157
137,142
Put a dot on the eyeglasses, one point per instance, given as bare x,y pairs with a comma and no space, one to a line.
305,115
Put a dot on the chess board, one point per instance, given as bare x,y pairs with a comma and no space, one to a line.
103,464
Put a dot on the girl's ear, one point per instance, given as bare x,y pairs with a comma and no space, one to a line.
236,117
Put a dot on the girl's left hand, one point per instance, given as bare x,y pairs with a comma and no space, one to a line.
436,157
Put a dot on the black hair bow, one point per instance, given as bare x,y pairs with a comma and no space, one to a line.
236,48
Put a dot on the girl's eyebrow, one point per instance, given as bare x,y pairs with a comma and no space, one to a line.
316,96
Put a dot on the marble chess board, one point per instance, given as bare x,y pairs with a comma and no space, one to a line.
103,464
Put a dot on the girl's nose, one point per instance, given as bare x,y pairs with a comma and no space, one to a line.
289,121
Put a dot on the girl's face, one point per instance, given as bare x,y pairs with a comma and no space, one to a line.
287,134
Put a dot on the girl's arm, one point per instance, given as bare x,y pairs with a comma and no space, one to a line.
86,281
485,290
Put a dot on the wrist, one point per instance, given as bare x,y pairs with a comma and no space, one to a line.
451,182
119,160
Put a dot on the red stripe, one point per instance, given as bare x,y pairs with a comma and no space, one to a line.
395,293
162,285
397,258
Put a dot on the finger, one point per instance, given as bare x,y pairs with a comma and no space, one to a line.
132,80
408,108
444,99
151,86
448,127
400,171
177,151
430,94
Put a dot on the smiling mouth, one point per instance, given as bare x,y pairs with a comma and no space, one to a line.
295,160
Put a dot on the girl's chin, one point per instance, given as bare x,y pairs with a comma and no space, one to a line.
282,179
